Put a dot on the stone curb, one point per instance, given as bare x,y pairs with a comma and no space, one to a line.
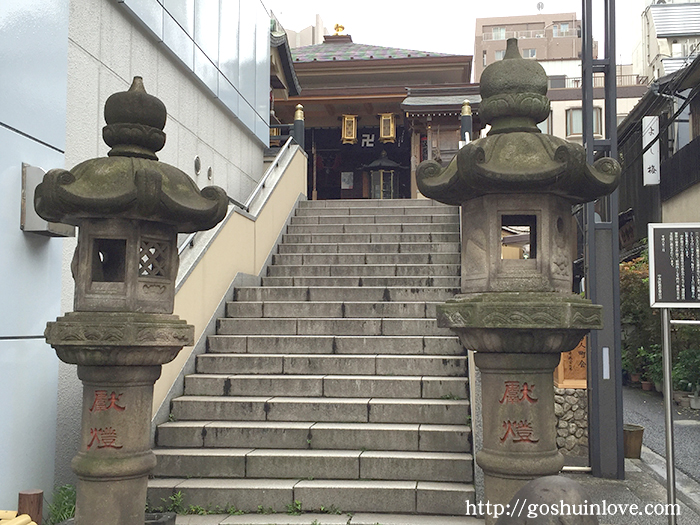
687,489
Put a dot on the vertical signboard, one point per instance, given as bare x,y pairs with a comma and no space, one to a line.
651,161
674,265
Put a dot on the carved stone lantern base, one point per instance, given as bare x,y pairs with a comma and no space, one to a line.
518,339
119,357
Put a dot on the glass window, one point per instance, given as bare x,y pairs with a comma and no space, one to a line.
530,53
574,121
500,54
546,125
499,33
564,28
484,58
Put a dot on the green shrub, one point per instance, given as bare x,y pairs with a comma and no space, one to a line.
62,506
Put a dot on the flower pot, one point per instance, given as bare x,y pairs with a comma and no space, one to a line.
684,401
636,377
659,387
647,385
694,402
632,440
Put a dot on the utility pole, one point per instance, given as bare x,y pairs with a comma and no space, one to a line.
602,254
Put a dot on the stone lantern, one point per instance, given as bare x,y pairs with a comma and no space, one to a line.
129,208
518,314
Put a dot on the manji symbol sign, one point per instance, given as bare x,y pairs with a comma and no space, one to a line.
515,393
105,437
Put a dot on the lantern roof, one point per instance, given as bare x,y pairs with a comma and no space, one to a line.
130,182
516,157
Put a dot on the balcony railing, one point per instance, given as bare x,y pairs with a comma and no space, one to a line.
598,81
534,33
520,35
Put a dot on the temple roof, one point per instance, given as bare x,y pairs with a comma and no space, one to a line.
341,47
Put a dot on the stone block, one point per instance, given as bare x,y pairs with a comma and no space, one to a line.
317,464
368,496
443,498
286,435
364,436
445,438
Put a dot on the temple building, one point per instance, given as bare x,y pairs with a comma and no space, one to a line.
370,119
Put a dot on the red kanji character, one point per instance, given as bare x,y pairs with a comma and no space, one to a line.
508,425
512,393
104,402
524,431
105,438
526,393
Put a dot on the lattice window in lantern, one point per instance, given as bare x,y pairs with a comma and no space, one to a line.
153,258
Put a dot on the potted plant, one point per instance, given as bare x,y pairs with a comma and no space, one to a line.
652,358
687,371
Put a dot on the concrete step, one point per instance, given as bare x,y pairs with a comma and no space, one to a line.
285,309
314,464
398,227
321,409
409,497
330,344
440,218
329,326
345,293
258,384
368,258
349,364
316,436
349,270
374,247
359,281
326,518
365,238
374,203
387,210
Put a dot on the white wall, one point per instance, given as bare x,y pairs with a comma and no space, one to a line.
107,46
33,50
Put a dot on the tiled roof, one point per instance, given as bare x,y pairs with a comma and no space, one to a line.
343,48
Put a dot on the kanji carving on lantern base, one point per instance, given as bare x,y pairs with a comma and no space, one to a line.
105,438
516,392
104,402
520,431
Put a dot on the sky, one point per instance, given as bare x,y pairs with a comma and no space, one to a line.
445,26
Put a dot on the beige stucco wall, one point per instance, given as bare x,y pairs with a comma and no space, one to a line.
242,245
683,207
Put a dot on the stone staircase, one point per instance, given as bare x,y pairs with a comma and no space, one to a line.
330,384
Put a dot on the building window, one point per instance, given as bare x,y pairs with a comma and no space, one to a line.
530,53
499,33
500,54
546,125
483,63
555,30
564,28
574,121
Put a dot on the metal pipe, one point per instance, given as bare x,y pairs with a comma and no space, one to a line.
668,415
269,171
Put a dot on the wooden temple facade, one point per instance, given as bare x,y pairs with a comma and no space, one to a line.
372,114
